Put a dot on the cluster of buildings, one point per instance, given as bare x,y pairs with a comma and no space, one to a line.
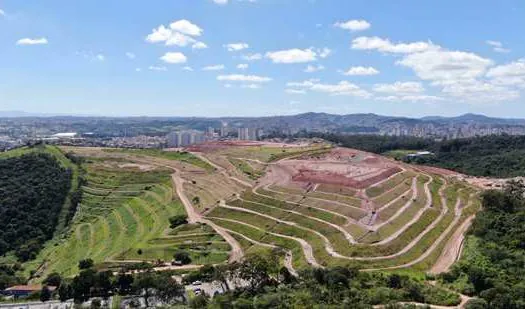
186,138
450,131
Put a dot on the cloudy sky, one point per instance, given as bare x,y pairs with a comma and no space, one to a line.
263,57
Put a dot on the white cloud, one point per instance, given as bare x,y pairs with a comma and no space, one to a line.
221,2
179,39
186,27
479,91
217,67
295,91
325,52
29,41
411,98
228,85
497,46
180,33
199,45
384,45
292,56
252,57
341,88
440,65
304,84
2,12
236,46
138,70
244,78
353,25
160,34
516,68
242,66
130,55
188,68
361,71
158,68
400,87
314,68
89,55
174,57
251,86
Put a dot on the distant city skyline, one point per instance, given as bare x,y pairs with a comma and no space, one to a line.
215,58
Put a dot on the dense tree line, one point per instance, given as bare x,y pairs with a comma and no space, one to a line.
493,263
33,189
492,156
260,283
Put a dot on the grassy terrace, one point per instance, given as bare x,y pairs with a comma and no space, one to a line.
169,155
297,194
122,211
400,221
346,210
326,188
393,182
298,261
393,193
306,228
272,153
246,168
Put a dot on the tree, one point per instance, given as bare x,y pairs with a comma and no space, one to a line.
476,303
82,284
258,269
178,220
182,256
64,292
169,289
85,264
103,284
124,283
222,273
53,279
196,200
199,301
45,294
145,284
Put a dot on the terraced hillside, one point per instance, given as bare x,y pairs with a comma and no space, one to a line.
309,204
124,216
345,207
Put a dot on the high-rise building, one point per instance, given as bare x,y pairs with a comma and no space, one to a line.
185,138
249,134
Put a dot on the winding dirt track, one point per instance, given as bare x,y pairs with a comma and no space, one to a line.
452,251
307,248
236,253
287,259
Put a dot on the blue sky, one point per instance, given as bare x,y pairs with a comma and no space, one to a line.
263,57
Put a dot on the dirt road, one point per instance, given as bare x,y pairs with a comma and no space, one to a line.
452,250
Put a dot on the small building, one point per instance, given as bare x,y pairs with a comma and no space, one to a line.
65,135
21,291
420,154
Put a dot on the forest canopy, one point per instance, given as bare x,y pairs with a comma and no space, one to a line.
33,189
